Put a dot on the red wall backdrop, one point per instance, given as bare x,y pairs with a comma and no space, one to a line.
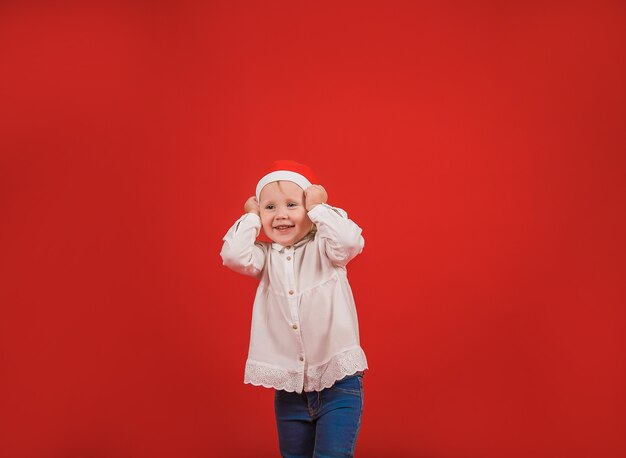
480,146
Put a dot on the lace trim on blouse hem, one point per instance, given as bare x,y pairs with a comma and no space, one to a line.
317,378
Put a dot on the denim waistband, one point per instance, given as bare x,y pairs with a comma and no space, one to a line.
357,373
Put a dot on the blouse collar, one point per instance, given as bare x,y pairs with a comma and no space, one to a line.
278,247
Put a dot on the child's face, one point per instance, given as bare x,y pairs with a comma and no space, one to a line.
284,206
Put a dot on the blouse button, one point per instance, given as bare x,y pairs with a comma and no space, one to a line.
290,291
288,258
289,247
301,358
295,326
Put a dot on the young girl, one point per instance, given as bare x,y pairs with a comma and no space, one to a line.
304,339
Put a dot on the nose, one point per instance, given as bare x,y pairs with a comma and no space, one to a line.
281,212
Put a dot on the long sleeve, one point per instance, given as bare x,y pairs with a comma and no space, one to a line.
240,251
342,236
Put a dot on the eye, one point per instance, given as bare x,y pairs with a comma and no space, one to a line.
293,204
269,207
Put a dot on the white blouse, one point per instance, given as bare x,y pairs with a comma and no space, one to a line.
304,333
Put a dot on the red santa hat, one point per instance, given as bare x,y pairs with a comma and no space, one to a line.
287,170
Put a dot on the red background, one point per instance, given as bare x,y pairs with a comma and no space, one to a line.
480,146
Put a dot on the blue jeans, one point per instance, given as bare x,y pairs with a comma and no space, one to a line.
320,424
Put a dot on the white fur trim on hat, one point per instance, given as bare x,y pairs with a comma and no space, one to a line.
286,175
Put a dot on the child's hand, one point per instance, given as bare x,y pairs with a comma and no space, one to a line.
252,206
315,195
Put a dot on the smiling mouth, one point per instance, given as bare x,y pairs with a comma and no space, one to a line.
283,228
